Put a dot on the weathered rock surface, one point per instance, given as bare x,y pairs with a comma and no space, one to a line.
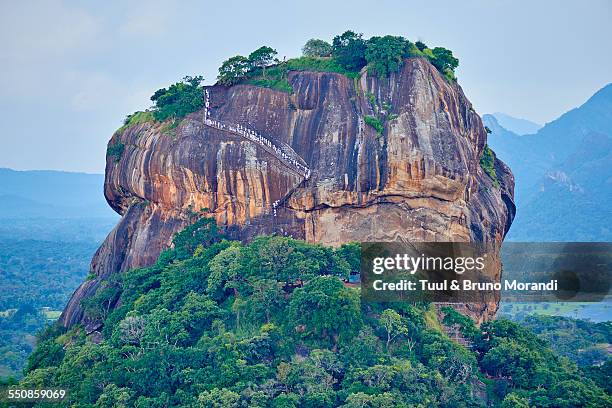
419,180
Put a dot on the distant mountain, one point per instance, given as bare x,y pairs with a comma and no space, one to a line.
563,173
517,125
572,201
52,194
527,164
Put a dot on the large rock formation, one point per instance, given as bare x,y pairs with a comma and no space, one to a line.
418,180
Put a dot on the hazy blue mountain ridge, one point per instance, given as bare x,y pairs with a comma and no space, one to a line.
517,125
563,173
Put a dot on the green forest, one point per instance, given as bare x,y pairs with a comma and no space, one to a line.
42,273
347,54
18,328
582,341
272,323
35,275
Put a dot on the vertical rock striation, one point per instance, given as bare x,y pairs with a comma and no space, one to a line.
419,179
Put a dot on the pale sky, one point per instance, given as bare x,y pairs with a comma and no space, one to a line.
71,71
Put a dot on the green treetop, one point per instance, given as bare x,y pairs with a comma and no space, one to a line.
348,49
385,54
233,70
262,57
317,48
179,99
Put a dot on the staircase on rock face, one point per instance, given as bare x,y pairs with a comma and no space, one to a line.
265,143
453,332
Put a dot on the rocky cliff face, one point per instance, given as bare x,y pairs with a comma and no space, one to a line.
418,180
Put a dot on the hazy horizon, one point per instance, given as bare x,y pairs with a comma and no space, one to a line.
72,71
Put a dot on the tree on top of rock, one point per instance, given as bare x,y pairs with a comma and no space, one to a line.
317,48
384,54
349,50
445,61
262,57
179,100
233,70
421,45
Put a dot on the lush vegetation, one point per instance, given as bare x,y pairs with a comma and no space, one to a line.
239,68
375,123
526,370
179,99
317,48
18,327
601,375
582,341
349,50
41,273
276,78
169,105
487,163
385,54
69,218
216,323
348,53
307,63
35,275
137,118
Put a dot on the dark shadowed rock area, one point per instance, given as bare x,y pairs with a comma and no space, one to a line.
418,180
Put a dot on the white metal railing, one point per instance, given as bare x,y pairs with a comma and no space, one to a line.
255,137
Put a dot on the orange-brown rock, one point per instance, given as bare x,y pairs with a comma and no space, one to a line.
418,180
